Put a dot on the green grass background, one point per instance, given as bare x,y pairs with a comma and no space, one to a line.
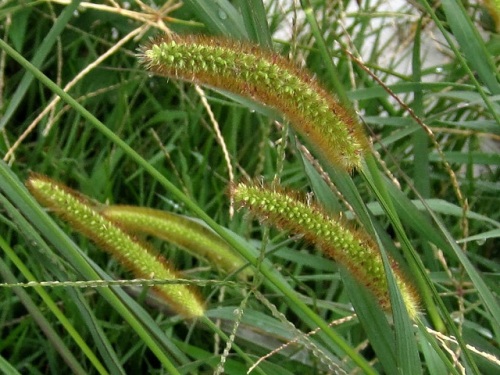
428,193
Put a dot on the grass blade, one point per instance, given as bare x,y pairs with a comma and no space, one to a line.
46,327
220,17
472,44
254,17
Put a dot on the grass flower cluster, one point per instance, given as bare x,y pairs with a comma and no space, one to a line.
267,77
350,248
180,231
79,103
143,261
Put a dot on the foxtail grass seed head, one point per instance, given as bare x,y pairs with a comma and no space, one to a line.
269,78
136,256
181,231
351,248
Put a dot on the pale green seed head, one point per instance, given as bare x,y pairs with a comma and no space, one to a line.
141,260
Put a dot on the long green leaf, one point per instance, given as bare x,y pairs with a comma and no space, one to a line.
6,368
466,34
375,324
406,345
443,240
219,16
327,58
49,302
421,142
254,17
36,314
472,44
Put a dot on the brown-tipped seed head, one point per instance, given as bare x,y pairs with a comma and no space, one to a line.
269,78
351,248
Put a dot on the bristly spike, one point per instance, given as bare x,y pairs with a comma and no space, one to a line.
351,248
180,231
136,256
269,78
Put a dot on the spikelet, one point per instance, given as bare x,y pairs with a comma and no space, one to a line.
269,78
352,249
136,256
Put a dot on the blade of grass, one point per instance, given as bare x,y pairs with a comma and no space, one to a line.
6,368
443,240
472,44
473,157
374,322
431,350
254,18
322,191
219,16
495,233
49,302
104,346
406,345
235,347
420,141
466,35
483,291
415,262
333,74
438,206
56,341
436,88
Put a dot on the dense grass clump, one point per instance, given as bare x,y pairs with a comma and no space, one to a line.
420,84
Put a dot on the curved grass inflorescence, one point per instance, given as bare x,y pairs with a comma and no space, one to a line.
269,78
142,260
353,249
181,231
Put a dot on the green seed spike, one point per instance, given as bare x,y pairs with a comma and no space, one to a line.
181,231
136,256
269,78
350,248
